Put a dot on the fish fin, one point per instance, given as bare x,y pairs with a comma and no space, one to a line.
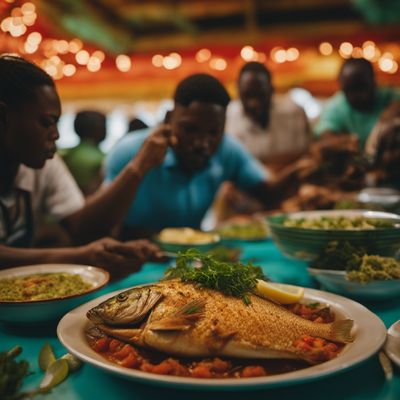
183,319
219,339
193,307
127,335
341,331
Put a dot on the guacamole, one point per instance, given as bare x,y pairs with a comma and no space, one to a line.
42,286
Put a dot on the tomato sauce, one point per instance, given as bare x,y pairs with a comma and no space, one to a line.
129,356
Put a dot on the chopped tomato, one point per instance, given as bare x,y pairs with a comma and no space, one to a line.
202,371
253,371
115,345
102,344
131,361
124,352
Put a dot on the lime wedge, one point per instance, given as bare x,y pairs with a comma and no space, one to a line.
55,374
46,357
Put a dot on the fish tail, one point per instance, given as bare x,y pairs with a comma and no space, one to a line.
341,331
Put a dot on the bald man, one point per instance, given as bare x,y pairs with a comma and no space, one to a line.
358,105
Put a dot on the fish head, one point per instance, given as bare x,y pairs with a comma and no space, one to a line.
126,308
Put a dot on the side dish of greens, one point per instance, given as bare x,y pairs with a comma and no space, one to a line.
340,222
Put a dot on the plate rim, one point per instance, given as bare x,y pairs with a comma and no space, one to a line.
57,265
393,356
328,368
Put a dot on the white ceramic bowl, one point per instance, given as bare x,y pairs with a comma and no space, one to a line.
38,311
336,282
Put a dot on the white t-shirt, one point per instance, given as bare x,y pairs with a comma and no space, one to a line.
286,133
48,191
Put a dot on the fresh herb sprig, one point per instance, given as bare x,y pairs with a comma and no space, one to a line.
233,279
12,373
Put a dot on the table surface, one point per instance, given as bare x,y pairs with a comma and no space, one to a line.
365,381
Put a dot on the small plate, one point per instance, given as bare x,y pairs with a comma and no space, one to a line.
37,311
336,282
176,240
243,230
392,345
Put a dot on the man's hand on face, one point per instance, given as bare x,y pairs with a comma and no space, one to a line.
154,148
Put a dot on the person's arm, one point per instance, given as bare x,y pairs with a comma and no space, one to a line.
249,175
107,208
107,253
271,192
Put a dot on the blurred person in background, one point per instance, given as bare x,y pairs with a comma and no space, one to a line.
136,124
85,160
358,105
383,146
274,129
35,181
183,163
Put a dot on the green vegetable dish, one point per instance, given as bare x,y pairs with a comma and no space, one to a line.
42,287
375,268
244,231
359,265
346,223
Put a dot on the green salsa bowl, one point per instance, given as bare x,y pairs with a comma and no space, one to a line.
307,243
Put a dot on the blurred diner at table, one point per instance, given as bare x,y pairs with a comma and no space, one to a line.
183,163
85,160
358,105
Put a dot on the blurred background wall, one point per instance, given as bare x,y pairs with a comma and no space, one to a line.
125,57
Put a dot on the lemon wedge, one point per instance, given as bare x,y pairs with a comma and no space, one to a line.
279,292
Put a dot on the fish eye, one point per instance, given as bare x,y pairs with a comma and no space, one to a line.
121,297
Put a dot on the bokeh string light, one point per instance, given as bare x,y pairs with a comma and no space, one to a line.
65,57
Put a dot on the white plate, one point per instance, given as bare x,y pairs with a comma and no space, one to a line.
37,311
71,332
335,281
392,345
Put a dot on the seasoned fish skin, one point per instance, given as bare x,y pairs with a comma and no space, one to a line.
230,327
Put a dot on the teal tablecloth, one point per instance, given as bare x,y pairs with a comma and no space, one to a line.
365,381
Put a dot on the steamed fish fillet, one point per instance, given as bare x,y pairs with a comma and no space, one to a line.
221,325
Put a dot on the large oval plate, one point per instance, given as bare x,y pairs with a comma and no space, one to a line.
71,332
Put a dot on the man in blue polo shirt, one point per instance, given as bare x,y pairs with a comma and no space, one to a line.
183,163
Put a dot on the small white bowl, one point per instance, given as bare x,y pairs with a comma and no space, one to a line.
392,345
38,311
336,282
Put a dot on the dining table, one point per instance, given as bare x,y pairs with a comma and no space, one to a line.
366,380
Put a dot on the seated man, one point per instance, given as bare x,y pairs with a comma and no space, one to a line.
34,181
359,104
275,130
85,160
184,163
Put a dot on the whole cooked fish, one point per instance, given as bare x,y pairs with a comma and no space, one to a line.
182,319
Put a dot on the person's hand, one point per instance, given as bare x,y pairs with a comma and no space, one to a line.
305,166
331,143
154,148
118,257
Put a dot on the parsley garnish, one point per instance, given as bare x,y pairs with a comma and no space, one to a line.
233,279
